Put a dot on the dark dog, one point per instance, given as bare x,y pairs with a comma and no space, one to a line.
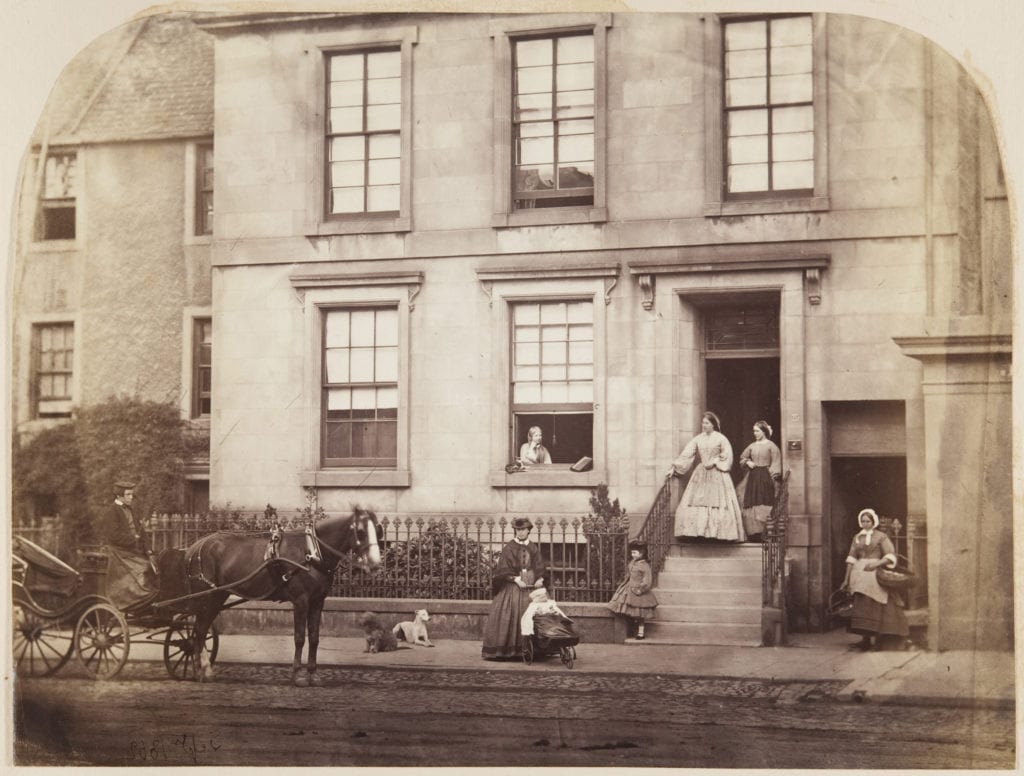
378,638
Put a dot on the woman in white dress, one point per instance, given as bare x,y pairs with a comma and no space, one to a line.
708,508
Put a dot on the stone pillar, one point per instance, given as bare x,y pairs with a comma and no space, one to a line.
969,501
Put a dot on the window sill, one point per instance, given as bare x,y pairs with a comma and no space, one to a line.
550,217
53,246
356,478
358,226
764,206
198,239
547,477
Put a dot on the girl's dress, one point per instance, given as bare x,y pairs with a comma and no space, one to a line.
876,611
756,491
633,597
502,633
708,507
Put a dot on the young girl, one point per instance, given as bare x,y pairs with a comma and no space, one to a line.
634,598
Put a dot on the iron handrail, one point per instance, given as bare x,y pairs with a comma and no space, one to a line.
656,530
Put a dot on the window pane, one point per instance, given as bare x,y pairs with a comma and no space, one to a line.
534,107
345,120
347,200
384,171
572,78
553,312
526,373
527,353
364,398
362,327
339,399
526,334
383,198
387,327
347,174
387,398
744,64
581,392
534,52
748,122
744,150
346,93
384,64
59,176
581,332
345,149
793,175
575,104
576,148
346,67
576,48
556,333
792,88
576,176
748,177
745,91
791,59
526,393
387,365
526,313
576,127
539,178
554,393
791,31
361,365
336,362
384,91
534,80
799,119
385,146
554,372
793,147
579,312
581,352
581,371
536,150
383,117
553,353
745,35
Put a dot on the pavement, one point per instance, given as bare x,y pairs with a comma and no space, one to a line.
956,678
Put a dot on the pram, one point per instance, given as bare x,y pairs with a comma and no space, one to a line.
551,635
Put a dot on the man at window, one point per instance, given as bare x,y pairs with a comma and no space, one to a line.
532,450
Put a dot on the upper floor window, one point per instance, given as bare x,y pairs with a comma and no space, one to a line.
364,129
59,191
553,377
766,113
553,120
204,189
53,346
202,367
360,387
769,105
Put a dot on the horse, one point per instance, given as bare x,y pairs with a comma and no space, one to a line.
292,565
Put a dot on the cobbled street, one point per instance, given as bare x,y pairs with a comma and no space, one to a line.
544,715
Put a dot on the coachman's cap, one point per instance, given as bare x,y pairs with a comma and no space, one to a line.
522,522
123,485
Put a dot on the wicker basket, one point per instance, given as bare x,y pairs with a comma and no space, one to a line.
840,604
899,578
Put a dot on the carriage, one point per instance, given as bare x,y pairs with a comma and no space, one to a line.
552,635
60,611
99,610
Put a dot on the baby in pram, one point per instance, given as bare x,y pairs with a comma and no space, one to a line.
544,621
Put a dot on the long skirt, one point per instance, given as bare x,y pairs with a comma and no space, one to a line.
870,618
503,635
628,603
709,507
758,499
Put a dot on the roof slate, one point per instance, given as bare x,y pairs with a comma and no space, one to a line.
151,78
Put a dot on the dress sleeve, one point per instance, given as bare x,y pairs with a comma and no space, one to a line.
888,551
724,460
775,467
745,456
684,462
645,578
537,563
851,556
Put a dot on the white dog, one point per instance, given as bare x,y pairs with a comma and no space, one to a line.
414,631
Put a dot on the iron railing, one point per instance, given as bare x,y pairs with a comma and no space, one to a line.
773,551
449,558
656,530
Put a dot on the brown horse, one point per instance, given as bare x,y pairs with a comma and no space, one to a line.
299,569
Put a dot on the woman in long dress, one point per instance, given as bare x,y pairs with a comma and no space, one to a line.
761,462
520,570
708,508
877,612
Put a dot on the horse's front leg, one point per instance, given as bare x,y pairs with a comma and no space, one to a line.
300,613
313,624
200,656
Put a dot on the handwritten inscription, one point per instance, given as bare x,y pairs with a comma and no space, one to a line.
171,748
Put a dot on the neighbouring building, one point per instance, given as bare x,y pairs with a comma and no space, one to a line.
111,279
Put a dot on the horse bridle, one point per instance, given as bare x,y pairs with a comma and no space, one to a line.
357,544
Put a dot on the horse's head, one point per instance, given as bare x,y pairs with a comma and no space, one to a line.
366,537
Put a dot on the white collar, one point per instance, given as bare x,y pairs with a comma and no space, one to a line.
866,533
522,542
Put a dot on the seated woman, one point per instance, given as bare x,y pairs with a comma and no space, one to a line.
532,450
877,612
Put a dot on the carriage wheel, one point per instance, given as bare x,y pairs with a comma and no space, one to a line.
179,648
41,646
528,654
102,641
568,655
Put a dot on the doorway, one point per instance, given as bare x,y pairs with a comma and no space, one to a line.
742,391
